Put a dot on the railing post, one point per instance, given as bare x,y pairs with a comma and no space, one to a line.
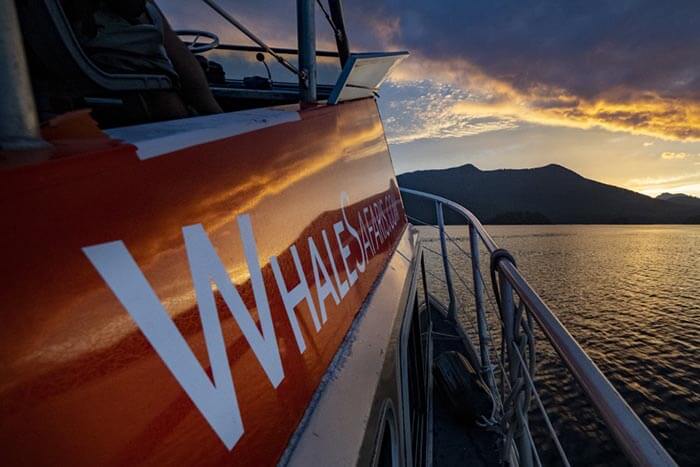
520,416
481,323
341,37
19,124
452,307
306,31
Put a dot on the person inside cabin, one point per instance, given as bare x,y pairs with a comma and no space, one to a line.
133,36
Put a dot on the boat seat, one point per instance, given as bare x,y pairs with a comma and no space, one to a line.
49,35
63,75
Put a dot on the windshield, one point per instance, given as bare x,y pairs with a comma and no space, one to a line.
276,27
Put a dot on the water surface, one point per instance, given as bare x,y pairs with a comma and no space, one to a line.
631,296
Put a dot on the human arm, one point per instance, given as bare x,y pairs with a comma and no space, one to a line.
194,86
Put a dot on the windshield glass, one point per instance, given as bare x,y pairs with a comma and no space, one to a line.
276,27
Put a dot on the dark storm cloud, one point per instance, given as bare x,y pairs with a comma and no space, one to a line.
622,65
587,48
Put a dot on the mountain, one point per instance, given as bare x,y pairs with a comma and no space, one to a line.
680,198
550,194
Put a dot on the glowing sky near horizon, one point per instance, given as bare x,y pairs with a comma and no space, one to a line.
608,89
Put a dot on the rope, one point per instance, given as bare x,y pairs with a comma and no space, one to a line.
552,433
496,257
335,29
453,240
238,25
517,413
534,448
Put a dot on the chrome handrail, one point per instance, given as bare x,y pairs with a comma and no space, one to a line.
467,214
631,434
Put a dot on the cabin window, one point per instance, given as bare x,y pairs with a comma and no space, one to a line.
417,383
415,369
388,450
66,77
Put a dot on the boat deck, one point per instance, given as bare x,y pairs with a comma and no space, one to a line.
454,442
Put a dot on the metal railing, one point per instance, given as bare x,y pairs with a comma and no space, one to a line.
518,305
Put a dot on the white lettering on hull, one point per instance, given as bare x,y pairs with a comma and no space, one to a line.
292,298
217,400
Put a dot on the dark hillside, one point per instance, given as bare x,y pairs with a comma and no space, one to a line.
552,193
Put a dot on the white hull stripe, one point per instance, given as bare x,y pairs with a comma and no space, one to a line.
156,139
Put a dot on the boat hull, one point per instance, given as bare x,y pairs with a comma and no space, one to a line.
121,341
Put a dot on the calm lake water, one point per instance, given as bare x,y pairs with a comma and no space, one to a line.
631,296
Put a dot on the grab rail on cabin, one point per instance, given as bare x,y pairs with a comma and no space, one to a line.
277,50
632,436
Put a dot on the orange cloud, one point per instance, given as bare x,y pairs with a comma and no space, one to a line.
648,115
642,113
670,155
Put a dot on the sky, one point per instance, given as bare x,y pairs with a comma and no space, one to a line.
610,89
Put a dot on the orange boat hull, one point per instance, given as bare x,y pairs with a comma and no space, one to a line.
82,383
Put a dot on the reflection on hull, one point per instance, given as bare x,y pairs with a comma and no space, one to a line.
82,377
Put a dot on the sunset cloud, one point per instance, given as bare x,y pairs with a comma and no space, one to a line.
688,183
637,112
426,110
649,114
670,155
621,66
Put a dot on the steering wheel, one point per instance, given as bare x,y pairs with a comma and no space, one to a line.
194,45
